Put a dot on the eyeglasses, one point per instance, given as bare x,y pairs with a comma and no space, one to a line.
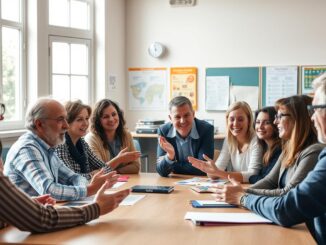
59,120
2,109
313,108
279,116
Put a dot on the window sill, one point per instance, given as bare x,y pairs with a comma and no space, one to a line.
12,133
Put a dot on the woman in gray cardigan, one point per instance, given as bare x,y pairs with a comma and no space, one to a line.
300,149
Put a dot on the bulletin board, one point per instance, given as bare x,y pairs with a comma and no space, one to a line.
244,83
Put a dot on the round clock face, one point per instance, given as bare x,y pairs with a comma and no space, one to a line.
156,49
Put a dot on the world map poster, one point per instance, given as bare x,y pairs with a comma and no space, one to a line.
147,88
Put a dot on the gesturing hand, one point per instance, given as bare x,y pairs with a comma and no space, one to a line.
207,166
229,193
99,179
167,147
108,202
45,199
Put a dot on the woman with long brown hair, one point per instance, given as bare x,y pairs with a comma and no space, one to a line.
110,140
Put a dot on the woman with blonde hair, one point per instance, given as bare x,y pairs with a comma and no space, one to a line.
110,140
241,153
300,151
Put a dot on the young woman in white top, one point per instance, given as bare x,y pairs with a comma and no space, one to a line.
241,154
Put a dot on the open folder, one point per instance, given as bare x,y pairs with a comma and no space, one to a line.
204,218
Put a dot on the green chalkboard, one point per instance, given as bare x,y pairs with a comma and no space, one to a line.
239,76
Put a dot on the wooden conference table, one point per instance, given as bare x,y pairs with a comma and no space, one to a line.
159,219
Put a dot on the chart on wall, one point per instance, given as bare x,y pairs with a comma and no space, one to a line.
278,82
309,73
147,88
184,83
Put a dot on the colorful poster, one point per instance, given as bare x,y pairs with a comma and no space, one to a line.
184,82
309,73
147,88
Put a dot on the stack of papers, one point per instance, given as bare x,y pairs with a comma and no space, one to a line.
196,181
202,218
128,201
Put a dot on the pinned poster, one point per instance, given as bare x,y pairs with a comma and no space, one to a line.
217,93
309,73
184,83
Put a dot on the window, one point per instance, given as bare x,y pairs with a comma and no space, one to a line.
70,13
70,68
70,44
11,62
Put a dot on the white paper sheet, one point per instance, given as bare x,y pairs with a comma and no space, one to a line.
117,185
217,92
280,82
250,94
131,200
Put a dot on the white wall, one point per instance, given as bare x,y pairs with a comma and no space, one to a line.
221,33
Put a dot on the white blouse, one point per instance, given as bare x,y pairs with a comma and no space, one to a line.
247,163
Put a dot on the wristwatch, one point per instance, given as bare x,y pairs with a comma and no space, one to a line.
243,200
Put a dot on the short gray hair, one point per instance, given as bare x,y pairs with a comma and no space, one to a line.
36,110
319,85
179,101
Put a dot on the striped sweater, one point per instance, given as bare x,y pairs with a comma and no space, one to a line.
19,210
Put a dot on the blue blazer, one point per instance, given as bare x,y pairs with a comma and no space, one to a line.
203,145
304,203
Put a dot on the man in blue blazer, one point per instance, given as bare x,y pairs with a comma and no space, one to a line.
306,202
182,137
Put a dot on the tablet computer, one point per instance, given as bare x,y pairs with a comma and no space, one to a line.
152,188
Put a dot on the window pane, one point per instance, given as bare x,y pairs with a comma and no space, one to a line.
58,13
79,59
79,88
11,72
60,87
79,15
10,10
60,58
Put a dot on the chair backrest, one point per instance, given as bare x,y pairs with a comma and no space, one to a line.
216,154
137,145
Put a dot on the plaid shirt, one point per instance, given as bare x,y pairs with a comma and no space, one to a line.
33,166
93,162
17,209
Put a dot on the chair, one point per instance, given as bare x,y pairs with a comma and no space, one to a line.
216,154
142,156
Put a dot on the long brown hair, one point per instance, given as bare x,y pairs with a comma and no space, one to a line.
97,128
232,141
269,151
303,133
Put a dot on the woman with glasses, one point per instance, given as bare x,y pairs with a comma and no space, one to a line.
75,152
241,153
110,140
300,149
299,155
267,134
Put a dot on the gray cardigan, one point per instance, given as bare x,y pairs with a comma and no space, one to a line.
269,186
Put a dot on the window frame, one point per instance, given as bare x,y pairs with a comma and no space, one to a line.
70,40
21,27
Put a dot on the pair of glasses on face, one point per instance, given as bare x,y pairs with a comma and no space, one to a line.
279,116
312,108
